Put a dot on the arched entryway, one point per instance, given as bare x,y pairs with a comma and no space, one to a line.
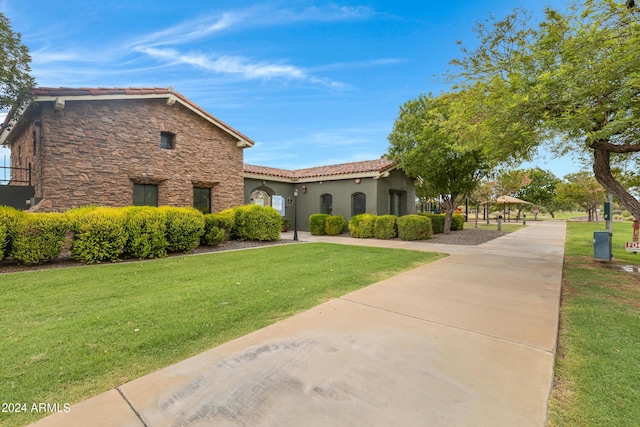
261,196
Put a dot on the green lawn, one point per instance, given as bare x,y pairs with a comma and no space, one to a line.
598,362
69,334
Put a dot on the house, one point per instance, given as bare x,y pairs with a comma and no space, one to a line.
374,186
124,146
152,146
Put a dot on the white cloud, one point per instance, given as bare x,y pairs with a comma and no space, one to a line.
238,66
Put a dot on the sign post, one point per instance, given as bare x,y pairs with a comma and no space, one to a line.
634,246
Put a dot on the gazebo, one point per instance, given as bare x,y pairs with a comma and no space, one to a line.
509,200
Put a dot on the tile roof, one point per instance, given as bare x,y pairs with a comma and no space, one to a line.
368,166
120,92
95,91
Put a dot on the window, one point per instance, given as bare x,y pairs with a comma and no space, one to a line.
145,195
326,204
202,199
358,203
167,140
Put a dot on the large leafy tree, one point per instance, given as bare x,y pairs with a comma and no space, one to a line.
16,83
541,190
426,148
573,81
582,188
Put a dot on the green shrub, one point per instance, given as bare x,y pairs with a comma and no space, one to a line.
334,225
317,224
146,233
9,219
99,234
255,222
414,227
437,221
184,227
4,236
386,227
457,222
361,226
223,220
213,236
38,237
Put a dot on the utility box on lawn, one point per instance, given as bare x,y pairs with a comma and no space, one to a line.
602,245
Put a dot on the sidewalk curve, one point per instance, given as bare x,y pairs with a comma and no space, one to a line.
468,340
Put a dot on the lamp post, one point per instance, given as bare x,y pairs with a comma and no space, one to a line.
295,214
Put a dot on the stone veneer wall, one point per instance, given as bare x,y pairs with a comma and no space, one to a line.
94,151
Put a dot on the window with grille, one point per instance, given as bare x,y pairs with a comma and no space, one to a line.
167,140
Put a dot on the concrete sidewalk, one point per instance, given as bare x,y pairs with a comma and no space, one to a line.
468,340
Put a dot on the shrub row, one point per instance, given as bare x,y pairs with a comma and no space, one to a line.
331,225
108,234
407,227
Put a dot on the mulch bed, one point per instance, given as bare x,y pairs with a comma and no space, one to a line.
470,236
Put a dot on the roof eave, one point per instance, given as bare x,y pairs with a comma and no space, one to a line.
172,98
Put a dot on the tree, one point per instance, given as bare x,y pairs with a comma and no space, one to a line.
582,188
574,82
541,190
424,147
16,84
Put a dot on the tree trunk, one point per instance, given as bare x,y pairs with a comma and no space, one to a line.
450,206
602,172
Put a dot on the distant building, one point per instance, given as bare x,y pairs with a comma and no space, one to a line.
374,186
119,147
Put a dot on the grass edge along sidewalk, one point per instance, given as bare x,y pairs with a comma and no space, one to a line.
69,334
597,371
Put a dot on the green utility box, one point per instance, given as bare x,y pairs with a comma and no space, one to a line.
602,245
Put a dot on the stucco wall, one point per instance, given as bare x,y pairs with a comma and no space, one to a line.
309,202
94,151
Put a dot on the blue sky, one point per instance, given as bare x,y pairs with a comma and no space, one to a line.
311,82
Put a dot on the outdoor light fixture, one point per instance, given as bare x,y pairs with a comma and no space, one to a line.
295,214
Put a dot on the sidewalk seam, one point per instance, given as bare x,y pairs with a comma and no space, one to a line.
450,326
131,406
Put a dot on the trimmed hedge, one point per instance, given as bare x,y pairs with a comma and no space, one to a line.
224,221
334,225
146,231
361,226
9,221
437,221
4,236
457,222
99,234
415,227
38,237
184,226
386,227
317,224
255,222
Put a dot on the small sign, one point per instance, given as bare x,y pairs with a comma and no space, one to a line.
277,203
632,246
536,210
